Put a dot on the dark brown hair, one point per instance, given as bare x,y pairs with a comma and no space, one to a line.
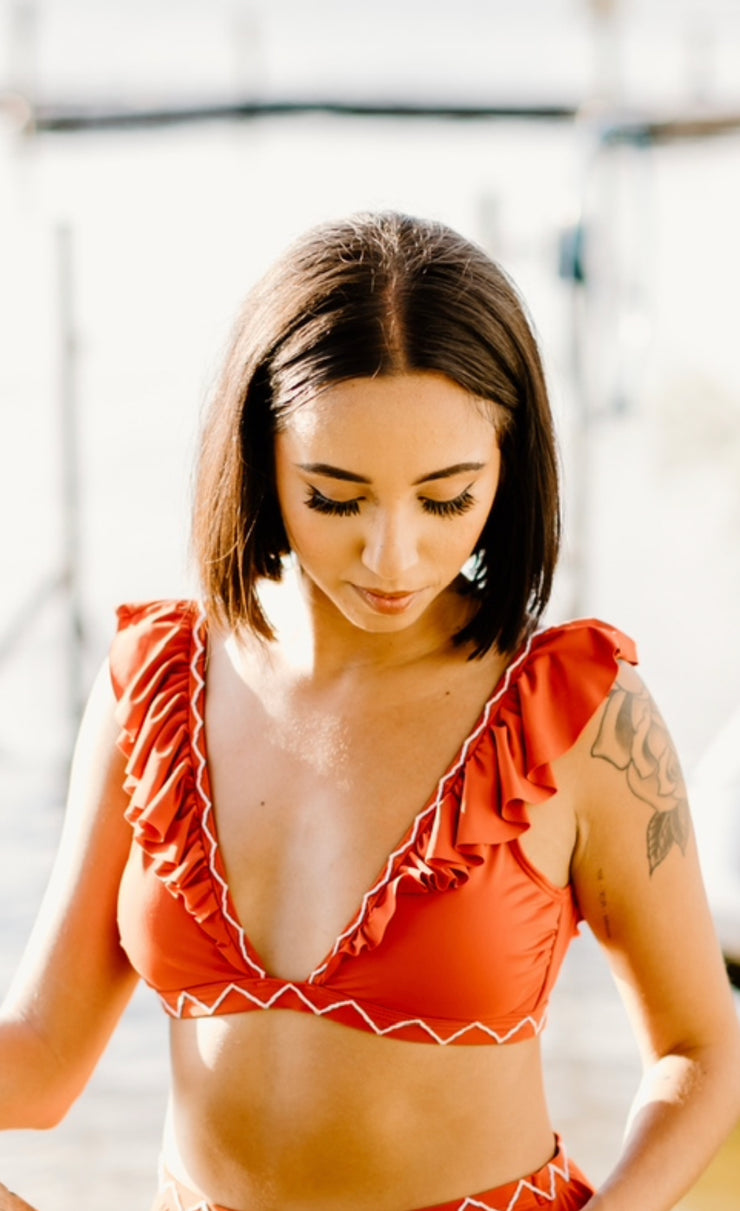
372,295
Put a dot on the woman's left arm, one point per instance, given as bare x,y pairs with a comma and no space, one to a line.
636,875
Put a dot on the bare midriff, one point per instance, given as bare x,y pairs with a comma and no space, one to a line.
305,1114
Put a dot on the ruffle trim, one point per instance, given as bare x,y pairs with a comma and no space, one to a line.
547,696
152,663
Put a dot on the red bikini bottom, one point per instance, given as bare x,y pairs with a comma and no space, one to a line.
558,1186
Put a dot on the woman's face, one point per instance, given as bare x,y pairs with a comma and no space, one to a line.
385,485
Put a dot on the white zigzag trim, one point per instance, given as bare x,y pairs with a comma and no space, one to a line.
433,807
198,648
471,1201
209,1010
166,1184
524,1184
201,1205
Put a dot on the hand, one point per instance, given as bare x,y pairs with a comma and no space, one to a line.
11,1202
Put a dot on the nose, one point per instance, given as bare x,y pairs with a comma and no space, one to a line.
389,547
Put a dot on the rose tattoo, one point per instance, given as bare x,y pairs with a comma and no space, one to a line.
634,738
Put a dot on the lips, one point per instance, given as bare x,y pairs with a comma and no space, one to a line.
386,603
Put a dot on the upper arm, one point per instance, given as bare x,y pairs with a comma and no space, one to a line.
637,878
74,979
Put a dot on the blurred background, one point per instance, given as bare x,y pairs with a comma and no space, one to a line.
154,158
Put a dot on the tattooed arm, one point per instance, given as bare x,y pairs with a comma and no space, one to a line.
637,878
634,739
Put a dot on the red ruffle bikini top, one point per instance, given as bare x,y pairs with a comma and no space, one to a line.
460,939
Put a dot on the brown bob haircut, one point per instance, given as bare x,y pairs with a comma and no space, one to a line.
378,294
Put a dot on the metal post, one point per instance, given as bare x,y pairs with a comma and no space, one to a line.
70,473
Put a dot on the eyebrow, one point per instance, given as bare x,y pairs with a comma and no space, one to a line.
349,476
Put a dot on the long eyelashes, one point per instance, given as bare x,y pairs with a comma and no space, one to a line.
336,508
348,508
449,508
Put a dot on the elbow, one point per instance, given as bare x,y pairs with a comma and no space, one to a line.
719,1064
52,1118
48,1109
728,1070
733,1069
36,1090
34,1110
727,1062
39,1118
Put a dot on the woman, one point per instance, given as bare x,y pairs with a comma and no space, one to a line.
348,816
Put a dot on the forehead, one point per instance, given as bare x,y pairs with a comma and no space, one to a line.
423,415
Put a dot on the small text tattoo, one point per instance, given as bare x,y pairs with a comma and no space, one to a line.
633,738
602,903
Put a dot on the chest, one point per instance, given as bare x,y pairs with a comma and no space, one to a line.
313,792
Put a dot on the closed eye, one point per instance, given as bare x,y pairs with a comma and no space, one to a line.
334,508
449,508
348,508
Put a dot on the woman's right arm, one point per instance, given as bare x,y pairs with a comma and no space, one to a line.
74,980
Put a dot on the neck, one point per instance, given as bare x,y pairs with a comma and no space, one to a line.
317,641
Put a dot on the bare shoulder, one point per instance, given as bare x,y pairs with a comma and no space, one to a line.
633,820
630,753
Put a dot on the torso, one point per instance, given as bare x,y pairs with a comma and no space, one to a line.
313,785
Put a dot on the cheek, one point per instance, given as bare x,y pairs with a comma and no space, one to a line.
462,546
302,537
301,533
453,548
478,517
313,538
298,520
474,533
